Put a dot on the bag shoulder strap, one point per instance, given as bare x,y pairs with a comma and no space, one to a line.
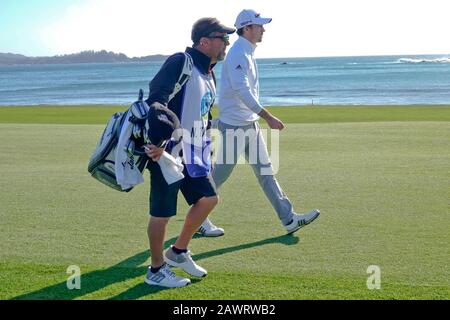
184,76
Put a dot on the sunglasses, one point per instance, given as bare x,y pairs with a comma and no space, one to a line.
224,38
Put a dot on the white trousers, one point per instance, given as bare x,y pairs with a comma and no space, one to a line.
256,153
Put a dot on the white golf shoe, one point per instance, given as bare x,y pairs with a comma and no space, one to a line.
301,220
165,278
207,229
184,262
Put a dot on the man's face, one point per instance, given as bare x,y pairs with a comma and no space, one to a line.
256,32
218,43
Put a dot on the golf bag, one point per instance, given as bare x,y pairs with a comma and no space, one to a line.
102,162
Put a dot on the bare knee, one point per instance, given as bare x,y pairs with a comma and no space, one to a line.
209,201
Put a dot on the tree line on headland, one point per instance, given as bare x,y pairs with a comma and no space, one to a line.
89,56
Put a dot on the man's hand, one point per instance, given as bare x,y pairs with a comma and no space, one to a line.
153,152
275,123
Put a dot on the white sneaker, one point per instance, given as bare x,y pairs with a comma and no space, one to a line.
207,229
165,278
185,262
301,220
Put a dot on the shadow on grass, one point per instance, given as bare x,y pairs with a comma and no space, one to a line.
93,281
131,268
143,289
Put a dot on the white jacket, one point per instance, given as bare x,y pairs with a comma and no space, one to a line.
239,85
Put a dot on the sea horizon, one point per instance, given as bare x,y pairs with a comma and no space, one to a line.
261,58
339,80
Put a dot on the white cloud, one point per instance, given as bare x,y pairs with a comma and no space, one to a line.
299,28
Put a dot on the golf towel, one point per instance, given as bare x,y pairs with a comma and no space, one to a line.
127,172
171,168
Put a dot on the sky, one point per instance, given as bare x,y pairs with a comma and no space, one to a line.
300,28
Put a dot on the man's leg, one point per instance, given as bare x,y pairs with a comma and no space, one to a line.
201,194
280,202
159,274
156,232
221,172
261,165
226,151
163,205
196,215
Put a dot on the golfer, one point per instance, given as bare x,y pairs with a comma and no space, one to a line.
240,109
191,105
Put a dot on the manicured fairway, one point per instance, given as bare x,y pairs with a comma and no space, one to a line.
380,176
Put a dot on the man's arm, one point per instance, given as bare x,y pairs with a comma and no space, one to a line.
240,84
272,121
162,85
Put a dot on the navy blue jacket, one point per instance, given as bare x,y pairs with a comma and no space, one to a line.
161,87
191,104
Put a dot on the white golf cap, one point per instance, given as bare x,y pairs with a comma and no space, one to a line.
247,17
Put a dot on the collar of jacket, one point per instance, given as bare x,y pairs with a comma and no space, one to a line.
201,60
246,45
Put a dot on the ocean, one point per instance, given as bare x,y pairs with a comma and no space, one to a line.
376,80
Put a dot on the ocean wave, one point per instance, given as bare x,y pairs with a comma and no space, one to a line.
412,60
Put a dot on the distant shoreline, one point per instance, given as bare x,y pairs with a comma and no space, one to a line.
11,59
103,56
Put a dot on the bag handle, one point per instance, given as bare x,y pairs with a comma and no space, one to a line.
184,76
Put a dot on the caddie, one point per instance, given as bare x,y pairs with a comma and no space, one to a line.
191,105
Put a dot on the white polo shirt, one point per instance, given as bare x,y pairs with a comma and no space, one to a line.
239,85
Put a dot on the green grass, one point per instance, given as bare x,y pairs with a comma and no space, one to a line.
304,114
380,178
